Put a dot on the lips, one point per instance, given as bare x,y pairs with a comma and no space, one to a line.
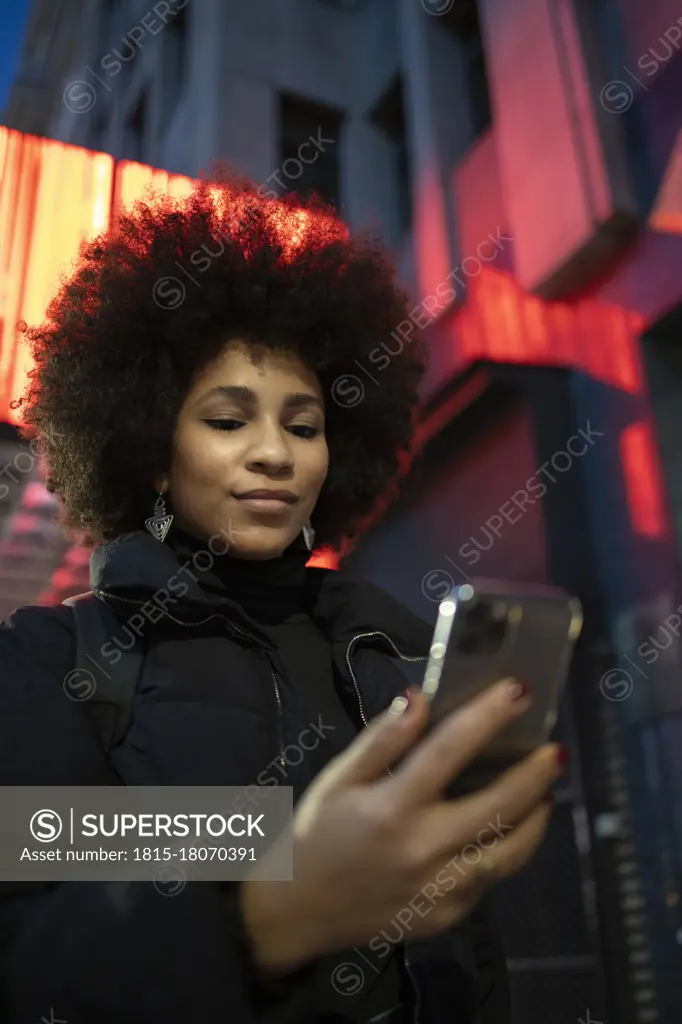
263,494
267,501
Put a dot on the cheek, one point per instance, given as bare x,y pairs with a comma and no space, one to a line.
317,467
201,458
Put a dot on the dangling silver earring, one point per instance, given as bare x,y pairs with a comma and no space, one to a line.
159,524
308,535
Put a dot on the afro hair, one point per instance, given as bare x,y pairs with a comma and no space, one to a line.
154,300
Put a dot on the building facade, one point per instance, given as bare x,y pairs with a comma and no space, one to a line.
523,162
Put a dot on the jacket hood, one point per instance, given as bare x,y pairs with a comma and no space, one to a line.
134,567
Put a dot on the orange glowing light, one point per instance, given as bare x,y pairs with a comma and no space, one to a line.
643,485
52,197
325,558
133,179
666,213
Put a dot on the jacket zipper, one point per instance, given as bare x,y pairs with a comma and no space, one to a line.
405,657
278,698
362,636
237,629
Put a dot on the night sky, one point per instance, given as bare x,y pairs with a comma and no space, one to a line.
13,18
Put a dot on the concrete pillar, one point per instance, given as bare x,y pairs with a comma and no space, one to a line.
433,84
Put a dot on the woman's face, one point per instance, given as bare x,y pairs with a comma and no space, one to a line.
248,426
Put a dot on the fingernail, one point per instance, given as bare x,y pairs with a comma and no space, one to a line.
400,704
563,756
517,690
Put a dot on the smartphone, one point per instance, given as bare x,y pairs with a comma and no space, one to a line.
488,630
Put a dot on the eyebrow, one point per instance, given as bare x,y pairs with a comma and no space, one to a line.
242,393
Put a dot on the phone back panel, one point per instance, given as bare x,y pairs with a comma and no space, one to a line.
541,627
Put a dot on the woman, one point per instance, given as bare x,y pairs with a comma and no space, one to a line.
192,376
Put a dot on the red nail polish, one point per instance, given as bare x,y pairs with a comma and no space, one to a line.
518,690
563,756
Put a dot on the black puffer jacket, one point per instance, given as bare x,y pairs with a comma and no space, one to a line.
75,951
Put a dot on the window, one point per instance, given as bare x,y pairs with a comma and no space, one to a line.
135,131
462,20
389,116
175,60
308,148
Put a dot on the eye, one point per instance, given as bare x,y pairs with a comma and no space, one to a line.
300,430
224,424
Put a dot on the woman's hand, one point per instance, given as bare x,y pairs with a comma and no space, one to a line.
366,844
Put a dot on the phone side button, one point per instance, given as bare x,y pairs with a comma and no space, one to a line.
431,680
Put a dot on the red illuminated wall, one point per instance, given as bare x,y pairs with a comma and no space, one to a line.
503,323
52,196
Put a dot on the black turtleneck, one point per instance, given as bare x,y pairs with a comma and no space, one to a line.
269,591
276,594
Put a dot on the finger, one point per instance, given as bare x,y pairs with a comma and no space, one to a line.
455,741
383,742
469,873
515,850
454,887
481,819
516,792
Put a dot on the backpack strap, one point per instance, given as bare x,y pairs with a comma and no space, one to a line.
114,682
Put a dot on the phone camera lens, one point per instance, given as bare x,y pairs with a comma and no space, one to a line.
483,629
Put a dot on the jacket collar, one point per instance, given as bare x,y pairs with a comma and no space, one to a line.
134,567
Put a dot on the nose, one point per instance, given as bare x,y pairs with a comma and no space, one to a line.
269,450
